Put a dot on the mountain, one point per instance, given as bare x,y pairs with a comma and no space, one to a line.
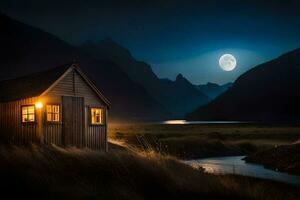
25,49
213,90
267,92
179,96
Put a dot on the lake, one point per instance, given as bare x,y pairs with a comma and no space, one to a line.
181,122
236,165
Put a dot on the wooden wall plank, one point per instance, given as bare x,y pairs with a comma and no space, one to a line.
11,125
71,85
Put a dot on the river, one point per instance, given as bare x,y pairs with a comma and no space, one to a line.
236,165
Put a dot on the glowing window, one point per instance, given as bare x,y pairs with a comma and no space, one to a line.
28,114
97,116
52,113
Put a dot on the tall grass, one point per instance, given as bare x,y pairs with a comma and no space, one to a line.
54,173
196,141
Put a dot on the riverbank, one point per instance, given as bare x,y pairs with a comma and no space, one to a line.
54,173
237,165
193,141
284,158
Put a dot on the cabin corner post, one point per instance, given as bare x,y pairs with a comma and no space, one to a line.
42,129
106,128
83,142
40,124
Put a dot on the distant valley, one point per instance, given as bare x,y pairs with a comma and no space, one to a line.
213,90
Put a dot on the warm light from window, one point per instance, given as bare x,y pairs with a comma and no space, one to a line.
52,113
39,105
96,116
28,114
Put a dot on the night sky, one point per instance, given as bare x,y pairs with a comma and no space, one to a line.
174,36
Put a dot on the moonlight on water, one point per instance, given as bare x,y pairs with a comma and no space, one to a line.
227,62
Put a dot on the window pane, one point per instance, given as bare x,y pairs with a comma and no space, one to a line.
56,117
28,114
53,113
53,109
30,109
96,116
30,118
48,108
24,110
100,116
49,118
24,118
56,110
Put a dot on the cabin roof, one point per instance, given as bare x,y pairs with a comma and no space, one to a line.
39,83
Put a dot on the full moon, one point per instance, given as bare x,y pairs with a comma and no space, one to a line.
227,62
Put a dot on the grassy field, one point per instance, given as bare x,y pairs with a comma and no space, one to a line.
55,173
197,141
140,165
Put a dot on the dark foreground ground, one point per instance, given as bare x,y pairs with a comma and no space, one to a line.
53,173
284,158
200,141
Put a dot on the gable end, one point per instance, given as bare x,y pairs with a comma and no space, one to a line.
68,86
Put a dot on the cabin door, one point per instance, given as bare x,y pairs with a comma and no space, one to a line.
73,121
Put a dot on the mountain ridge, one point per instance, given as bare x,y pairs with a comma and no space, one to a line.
26,49
178,99
267,92
213,90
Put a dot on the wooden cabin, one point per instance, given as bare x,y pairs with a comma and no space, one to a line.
59,106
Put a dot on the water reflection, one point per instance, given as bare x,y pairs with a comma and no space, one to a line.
175,122
235,165
179,121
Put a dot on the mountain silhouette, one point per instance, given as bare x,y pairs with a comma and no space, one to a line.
26,49
267,92
179,96
213,90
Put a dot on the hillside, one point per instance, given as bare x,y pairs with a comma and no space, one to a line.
49,173
179,96
267,92
25,49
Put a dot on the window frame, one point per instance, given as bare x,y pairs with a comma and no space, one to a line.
103,115
34,113
59,113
